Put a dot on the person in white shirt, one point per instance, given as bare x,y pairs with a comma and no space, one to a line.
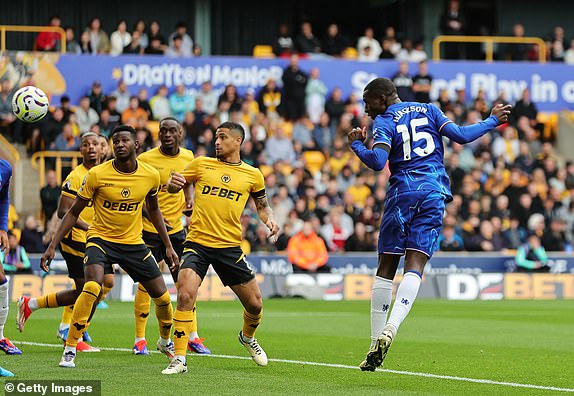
120,38
368,41
569,54
186,41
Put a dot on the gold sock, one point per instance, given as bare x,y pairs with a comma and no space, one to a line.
82,310
182,323
250,323
105,292
47,301
67,314
164,314
141,310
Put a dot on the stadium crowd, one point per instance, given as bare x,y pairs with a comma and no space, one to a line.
507,185
149,39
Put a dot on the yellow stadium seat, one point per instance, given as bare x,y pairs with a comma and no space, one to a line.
263,51
314,160
350,53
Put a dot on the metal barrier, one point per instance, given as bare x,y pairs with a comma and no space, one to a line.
62,158
489,42
31,29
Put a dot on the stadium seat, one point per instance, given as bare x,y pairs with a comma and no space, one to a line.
350,53
313,160
263,51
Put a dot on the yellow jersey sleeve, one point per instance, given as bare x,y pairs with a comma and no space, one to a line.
258,187
89,186
155,189
71,185
191,171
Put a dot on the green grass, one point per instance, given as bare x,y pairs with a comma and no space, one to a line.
527,342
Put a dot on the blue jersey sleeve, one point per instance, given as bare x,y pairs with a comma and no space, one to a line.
382,132
5,175
462,134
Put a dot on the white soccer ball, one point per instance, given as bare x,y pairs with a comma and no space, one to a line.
30,104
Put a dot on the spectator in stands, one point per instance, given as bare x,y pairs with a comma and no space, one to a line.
486,240
525,107
322,133
134,47
106,126
99,40
294,85
404,54
231,96
269,99
307,251
391,36
155,47
49,41
306,42
159,103
97,97
261,243
531,256
335,232
49,195
155,33
120,38
517,52
569,54
279,148
315,92
334,42
554,239
122,96
186,47
144,103
7,117
181,102
359,191
139,27
514,235
209,97
453,23
72,46
284,45
359,241
369,41
449,241
404,83
422,84
177,49
85,115
558,45
386,50
418,53
134,112
31,237
66,141
15,260
85,43
506,146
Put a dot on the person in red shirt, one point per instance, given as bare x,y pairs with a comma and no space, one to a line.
49,41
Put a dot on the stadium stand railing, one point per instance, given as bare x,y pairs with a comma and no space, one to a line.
62,159
489,41
31,29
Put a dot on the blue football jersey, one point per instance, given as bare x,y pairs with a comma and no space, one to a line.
412,130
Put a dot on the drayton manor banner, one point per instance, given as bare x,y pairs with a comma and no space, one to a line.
552,85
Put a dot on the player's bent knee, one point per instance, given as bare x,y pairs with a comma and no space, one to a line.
254,305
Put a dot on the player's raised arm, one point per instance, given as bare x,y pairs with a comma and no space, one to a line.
177,181
158,222
64,206
68,221
469,133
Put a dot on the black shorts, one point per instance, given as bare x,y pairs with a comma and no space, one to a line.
136,260
229,263
154,242
75,262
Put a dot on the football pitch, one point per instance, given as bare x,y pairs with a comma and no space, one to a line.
315,347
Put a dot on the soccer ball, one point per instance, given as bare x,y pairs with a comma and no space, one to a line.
30,104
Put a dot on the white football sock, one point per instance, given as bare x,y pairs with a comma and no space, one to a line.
193,335
406,295
381,295
138,339
33,304
180,358
4,305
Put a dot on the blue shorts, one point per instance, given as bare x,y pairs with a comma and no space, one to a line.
412,220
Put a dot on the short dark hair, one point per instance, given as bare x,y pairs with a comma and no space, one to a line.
381,87
169,118
124,128
233,126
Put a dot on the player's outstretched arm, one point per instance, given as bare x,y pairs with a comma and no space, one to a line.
267,217
68,221
469,133
4,209
375,158
175,183
158,222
